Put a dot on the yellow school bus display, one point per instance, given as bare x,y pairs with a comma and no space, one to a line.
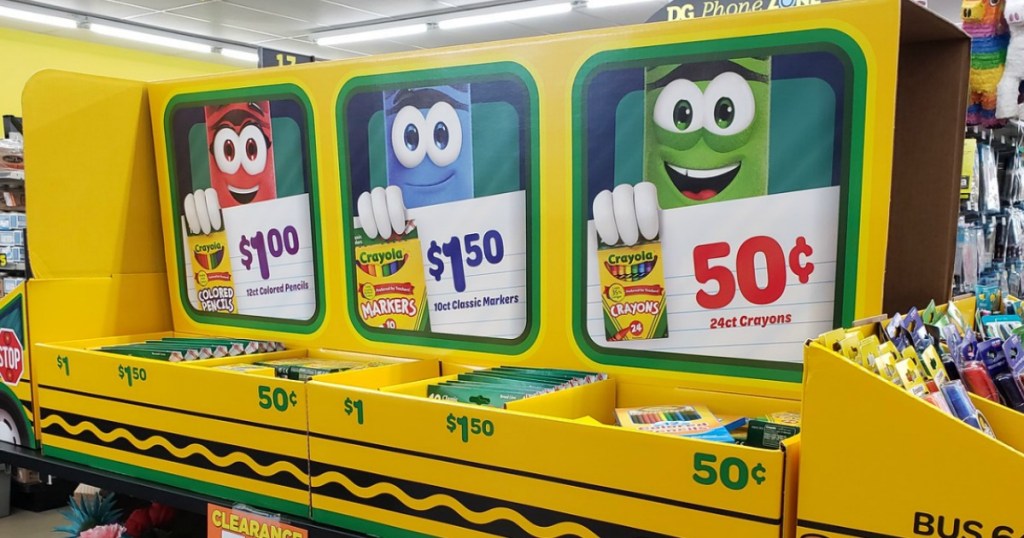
670,208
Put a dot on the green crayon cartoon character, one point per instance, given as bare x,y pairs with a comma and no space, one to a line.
705,140
706,135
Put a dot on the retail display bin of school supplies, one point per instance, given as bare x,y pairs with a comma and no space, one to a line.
462,210
120,408
858,431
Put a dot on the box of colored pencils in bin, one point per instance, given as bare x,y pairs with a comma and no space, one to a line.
495,387
177,349
303,369
693,421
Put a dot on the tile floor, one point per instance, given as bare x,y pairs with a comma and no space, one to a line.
22,524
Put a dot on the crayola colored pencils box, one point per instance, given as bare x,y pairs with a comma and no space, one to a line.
215,286
633,292
389,282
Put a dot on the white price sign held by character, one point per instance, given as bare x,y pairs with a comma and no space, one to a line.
474,253
272,260
748,278
474,257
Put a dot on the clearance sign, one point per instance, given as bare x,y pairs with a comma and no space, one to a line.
227,523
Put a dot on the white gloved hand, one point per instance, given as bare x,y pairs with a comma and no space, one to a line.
202,212
382,212
626,213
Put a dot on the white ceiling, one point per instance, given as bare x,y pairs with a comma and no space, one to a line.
288,24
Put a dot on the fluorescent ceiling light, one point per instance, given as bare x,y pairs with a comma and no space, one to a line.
370,35
241,55
32,16
505,16
152,39
596,4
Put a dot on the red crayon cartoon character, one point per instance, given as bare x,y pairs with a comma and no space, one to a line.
241,164
241,152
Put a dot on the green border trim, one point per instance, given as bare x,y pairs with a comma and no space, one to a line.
469,73
272,92
363,525
230,495
852,163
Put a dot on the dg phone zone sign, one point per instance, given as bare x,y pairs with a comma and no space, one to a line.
681,10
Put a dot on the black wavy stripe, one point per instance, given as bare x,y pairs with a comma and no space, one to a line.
477,503
281,478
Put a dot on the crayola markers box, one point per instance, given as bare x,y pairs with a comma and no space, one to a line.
633,291
389,282
215,285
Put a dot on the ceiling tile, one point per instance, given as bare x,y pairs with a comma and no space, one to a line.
461,36
627,14
99,7
172,21
375,47
392,8
160,5
568,22
305,47
243,17
319,11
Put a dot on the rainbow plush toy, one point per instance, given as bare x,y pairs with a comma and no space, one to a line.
983,21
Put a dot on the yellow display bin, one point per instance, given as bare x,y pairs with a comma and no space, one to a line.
175,243
549,465
188,425
859,431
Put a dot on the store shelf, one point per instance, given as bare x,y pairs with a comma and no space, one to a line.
178,498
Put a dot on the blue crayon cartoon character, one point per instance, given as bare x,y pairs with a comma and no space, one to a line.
429,156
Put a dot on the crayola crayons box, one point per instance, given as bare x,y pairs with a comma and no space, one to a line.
390,283
211,264
633,292
694,421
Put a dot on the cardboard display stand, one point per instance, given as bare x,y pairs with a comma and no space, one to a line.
857,427
438,208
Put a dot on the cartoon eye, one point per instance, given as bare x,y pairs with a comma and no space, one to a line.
225,150
679,107
407,137
446,130
732,105
255,145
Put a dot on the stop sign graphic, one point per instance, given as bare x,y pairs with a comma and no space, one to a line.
12,366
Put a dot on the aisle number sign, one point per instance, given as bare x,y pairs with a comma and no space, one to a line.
228,523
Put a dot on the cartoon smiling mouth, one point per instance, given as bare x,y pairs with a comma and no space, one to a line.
701,185
444,179
243,196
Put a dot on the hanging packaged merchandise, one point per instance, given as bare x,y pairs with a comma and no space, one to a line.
1014,188
989,180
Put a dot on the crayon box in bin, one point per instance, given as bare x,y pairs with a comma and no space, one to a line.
879,461
189,424
383,450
